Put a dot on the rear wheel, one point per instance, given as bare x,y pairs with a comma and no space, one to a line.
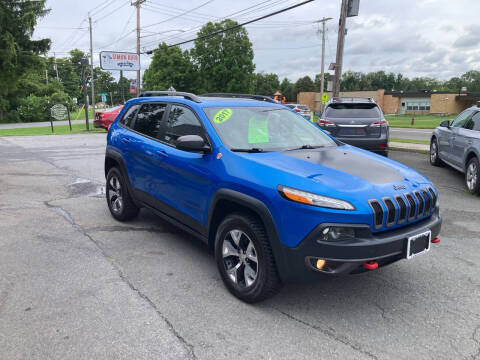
119,201
434,159
472,176
245,259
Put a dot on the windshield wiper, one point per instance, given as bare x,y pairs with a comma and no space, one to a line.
307,147
252,150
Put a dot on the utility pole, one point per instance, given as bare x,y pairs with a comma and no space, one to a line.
55,62
91,69
322,74
121,87
84,63
137,4
340,42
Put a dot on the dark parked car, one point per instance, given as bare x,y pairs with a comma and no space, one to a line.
358,122
457,144
275,197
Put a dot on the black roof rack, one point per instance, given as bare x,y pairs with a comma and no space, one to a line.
241,96
188,96
352,99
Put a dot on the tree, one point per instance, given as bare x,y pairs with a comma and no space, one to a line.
266,84
18,53
304,84
288,90
225,60
170,67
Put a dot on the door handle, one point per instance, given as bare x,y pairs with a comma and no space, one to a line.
126,140
162,153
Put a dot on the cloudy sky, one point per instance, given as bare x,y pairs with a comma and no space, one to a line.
435,38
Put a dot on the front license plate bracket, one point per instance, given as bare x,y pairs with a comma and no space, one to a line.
418,244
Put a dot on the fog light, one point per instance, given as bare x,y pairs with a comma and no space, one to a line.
337,233
320,264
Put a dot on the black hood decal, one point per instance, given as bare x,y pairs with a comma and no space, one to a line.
350,163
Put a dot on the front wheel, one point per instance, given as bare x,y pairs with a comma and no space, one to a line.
472,176
434,159
245,259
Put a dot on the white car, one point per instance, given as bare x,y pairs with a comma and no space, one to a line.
302,109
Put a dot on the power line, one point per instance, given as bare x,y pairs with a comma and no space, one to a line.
179,15
113,11
238,25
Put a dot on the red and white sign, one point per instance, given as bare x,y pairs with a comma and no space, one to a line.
112,60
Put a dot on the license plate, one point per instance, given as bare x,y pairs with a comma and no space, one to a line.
353,131
418,244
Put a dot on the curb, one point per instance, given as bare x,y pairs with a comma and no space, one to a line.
416,148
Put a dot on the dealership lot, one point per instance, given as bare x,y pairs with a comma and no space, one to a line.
76,284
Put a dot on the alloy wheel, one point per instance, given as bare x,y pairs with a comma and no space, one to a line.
115,194
433,152
240,258
472,176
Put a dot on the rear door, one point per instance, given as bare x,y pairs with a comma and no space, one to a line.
144,163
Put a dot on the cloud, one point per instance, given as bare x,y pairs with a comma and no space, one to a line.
470,39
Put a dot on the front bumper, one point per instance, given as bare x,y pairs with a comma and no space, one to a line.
347,257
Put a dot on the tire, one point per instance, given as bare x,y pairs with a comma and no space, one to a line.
472,176
119,201
434,158
248,271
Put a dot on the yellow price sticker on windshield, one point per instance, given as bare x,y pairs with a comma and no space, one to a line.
222,115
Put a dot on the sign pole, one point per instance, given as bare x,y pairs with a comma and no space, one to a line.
51,120
68,114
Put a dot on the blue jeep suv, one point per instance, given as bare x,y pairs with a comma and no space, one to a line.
274,196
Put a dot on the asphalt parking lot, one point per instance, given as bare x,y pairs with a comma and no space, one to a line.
75,284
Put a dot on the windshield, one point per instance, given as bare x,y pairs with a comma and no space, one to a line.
265,128
352,111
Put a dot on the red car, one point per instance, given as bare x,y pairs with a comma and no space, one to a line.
103,119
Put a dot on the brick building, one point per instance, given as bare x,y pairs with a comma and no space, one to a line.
403,102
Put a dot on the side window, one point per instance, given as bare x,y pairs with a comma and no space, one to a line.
128,117
149,119
476,122
181,121
461,119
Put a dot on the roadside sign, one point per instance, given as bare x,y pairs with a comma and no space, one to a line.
324,98
103,96
114,60
59,112
133,86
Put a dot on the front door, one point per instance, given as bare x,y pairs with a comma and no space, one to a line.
187,183
457,138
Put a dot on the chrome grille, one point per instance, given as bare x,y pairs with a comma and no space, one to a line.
377,212
402,212
412,207
421,204
391,211
400,209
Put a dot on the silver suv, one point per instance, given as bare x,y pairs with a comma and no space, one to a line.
457,144
304,110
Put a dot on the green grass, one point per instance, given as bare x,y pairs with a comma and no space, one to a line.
410,141
421,121
58,130
80,114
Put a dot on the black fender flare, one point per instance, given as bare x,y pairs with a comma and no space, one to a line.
259,208
115,155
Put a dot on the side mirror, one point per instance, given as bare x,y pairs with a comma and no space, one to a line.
192,143
445,123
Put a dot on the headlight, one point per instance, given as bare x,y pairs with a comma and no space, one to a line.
313,199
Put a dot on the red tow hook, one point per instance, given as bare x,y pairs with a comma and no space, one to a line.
436,240
370,265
